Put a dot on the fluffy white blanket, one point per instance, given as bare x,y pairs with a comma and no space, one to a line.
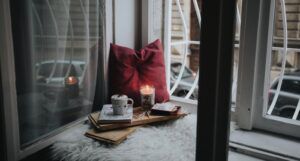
174,140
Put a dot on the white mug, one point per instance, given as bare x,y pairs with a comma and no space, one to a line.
120,103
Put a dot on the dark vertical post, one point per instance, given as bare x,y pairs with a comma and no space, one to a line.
216,57
2,126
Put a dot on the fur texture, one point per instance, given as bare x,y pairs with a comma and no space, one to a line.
174,140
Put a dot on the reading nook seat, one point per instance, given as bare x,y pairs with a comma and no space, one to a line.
173,140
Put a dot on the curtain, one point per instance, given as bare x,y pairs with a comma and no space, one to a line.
56,44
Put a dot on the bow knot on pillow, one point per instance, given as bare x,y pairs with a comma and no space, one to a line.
130,69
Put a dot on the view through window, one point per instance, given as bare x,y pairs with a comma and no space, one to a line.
185,45
56,45
184,48
284,92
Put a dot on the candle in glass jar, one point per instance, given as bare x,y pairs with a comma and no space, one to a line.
72,86
147,96
71,80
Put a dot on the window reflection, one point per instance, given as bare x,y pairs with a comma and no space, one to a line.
53,41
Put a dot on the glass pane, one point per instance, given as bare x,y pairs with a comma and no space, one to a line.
56,53
236,53
185,48
175,68
284,91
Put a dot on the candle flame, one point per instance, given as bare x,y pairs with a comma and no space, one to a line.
147,89
71,80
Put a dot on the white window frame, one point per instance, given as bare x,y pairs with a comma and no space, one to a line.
254,68
168,44
13,147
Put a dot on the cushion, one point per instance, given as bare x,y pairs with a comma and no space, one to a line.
130,69
174,140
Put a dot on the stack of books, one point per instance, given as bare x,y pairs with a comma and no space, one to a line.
165,109
114,129
107,116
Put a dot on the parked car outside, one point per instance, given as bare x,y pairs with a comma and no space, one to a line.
289,95
186,81
44,69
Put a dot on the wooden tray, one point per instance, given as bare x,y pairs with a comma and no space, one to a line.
135,122
113,136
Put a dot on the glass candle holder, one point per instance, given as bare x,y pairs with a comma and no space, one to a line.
72,86
147,96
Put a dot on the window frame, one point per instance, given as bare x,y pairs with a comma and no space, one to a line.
214,101
255,59
13,149
8,77
2,132
168,45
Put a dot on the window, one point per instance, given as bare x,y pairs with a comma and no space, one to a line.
268,85
182,46
291,85
175,70
52,51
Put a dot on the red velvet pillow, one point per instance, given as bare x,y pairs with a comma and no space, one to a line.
129,69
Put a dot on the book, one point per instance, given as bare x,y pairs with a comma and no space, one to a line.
112,137
107,116
166,108
138,119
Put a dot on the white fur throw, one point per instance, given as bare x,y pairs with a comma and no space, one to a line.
171,141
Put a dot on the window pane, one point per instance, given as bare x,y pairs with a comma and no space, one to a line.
284,91
184,48
56,53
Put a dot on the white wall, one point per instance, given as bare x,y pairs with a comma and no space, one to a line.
127,23
152,21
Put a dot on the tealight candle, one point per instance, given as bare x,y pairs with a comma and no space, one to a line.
147,96
71,84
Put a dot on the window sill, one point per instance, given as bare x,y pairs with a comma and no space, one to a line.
189,106
258,144
264,145
255,143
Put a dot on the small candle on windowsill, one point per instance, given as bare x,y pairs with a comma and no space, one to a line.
71,84
147,96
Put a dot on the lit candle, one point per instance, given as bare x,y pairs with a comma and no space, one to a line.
71,80
71,84
147,96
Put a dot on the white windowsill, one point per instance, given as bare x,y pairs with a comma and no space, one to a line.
264,145
189,106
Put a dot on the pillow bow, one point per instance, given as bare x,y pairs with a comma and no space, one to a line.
130,69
